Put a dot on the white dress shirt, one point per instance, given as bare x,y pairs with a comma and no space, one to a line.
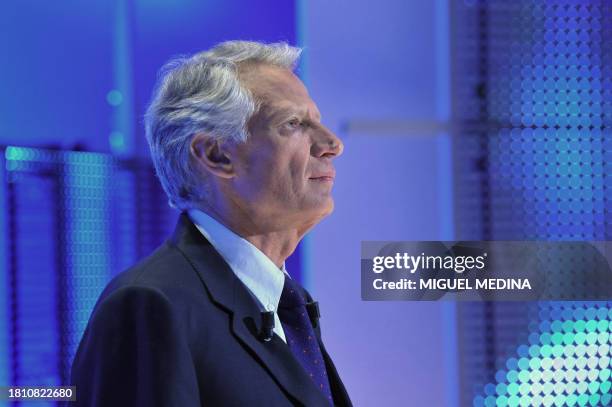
256,271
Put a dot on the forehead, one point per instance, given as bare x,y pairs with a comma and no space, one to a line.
277,89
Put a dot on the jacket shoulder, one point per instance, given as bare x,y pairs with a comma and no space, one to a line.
165,271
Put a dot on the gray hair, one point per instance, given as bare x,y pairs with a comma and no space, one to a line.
203,93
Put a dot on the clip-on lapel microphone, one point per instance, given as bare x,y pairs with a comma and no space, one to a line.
267,320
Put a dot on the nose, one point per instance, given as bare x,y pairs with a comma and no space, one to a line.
326,143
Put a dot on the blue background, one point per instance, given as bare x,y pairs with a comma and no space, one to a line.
461,120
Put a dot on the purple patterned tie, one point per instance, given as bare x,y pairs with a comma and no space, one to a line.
301,337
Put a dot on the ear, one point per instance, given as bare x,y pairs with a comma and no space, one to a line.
211,154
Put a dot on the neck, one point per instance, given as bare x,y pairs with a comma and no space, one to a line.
276,241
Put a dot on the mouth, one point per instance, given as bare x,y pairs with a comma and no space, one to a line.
324,178
327,176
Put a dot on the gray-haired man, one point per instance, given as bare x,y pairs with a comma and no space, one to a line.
212,317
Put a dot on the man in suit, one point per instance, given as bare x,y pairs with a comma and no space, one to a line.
212,317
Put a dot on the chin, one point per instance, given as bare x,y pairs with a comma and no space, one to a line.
331,206
326,208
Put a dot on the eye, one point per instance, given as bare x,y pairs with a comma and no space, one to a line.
293,123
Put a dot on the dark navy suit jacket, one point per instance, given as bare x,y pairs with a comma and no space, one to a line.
180,329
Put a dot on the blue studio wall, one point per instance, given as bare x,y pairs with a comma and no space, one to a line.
380,75
77,73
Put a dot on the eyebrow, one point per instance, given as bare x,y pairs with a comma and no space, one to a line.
284,112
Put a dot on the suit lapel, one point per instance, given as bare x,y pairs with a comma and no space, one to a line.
228,292
341,397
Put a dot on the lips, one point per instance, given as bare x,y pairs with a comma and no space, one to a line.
324,176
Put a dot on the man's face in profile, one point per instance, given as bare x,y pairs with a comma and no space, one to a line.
285,167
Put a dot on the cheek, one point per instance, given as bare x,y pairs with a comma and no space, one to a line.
270,178
289,166
288,177
298,169
278,172
286,187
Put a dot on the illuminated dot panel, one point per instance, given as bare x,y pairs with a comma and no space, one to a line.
81,214
533,88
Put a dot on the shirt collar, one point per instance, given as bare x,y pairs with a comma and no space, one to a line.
261,276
